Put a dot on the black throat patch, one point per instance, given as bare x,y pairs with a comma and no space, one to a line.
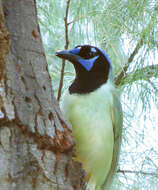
88,81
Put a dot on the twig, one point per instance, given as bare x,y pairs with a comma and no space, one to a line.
144,73
66,47
122,74
89,14
136,172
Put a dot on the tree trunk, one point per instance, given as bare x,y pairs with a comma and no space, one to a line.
35,141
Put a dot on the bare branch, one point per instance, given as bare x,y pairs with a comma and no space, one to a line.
137,172
66,47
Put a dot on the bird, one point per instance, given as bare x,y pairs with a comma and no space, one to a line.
92,106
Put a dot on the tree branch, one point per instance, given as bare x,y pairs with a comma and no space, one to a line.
141,74
137,172
122,74
66,47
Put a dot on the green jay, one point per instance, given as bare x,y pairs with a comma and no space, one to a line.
92,106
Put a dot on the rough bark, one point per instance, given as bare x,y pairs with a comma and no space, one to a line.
35,141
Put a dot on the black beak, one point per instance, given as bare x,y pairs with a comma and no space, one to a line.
68,55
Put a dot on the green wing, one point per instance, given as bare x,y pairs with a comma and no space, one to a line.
116,115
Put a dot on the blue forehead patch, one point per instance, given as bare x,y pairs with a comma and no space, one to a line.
88,63
93,50
105,54
75,51
107,57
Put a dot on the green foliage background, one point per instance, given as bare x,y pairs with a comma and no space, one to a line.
122,28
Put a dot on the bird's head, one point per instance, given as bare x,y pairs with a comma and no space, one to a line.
92,65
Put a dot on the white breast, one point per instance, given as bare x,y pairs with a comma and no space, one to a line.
92,129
